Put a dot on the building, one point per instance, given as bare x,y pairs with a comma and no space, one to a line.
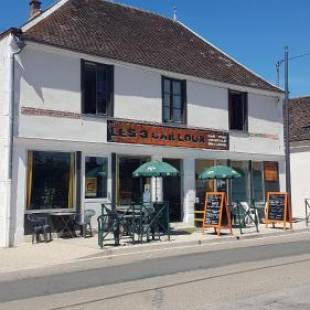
299,120
96,88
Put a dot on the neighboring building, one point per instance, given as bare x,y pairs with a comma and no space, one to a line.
101,87
299,120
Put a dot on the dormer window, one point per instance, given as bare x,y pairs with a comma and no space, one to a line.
97,88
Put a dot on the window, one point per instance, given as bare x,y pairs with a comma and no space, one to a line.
130,189
96,176
240,186
201,185
97,88
50,183
257,181
238,111
174,93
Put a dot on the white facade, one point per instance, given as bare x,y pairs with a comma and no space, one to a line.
4,136
49,79
300,166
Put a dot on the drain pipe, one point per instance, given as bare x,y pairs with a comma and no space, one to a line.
16,47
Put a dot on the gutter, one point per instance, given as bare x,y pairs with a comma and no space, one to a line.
16,47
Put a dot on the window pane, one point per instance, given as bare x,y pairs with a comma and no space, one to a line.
177,115
166,114
173,101
90,88
240,185
102,90
167,86
177,102
176,88
167,101
257,179
50,180
98,88
96,176
130,189
203,186
237,111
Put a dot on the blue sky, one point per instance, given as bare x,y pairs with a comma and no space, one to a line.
252,31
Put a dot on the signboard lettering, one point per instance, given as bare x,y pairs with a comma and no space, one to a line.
216,212
278,210
129,132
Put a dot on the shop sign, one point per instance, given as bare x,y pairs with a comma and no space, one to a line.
271,171
90,186
129,132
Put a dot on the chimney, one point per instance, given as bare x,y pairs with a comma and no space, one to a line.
35,8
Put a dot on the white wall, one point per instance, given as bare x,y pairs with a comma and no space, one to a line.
4,135
300,167
207,106
51,80
137,94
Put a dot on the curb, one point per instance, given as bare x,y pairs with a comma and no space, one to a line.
145,248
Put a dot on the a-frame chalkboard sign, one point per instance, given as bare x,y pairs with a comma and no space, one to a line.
278,209
216,212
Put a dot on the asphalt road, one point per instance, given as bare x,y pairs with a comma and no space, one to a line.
271,270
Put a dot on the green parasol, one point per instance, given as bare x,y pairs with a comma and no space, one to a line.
155,168
219,172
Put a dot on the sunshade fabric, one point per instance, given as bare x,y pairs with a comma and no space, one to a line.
155,168
219,172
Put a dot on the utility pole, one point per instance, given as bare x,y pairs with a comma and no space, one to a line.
287,130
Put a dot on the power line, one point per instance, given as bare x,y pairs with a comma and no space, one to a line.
280,62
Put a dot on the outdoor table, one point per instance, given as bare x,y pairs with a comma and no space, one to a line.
64,221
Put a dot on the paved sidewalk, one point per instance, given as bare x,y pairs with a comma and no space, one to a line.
62,251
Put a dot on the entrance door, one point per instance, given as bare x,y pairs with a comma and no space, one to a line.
130,189
172,191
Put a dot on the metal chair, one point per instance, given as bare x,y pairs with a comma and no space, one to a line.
155,220
39,225
244,214
85,223
109,222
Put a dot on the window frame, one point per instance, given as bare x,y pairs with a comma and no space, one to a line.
183,95
245,113
96,199
27,209
110,104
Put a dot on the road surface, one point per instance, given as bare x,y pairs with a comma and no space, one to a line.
267,273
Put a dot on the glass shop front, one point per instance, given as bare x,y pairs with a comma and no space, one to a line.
257,178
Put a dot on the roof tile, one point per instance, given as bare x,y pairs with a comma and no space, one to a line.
123,33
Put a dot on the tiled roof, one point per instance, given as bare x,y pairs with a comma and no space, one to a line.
299,118
130,35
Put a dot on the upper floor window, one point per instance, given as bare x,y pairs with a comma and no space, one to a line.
238,111
97,88
174,93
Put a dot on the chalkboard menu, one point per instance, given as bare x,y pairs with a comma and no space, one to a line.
216,212
277,208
